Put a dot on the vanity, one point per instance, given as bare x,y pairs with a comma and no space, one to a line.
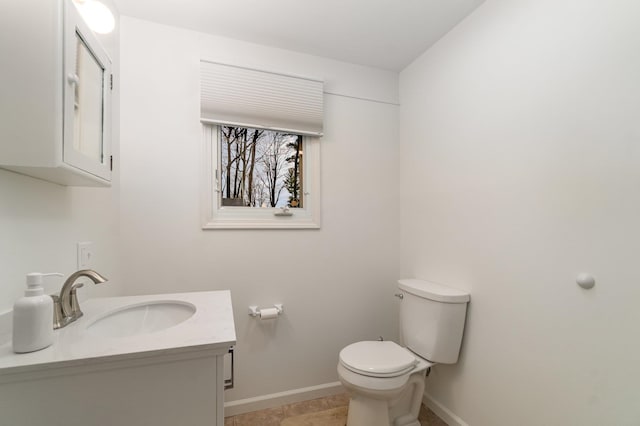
134,360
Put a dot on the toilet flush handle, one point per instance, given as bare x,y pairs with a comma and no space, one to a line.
399,296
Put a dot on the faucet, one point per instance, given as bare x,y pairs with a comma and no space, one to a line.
66,308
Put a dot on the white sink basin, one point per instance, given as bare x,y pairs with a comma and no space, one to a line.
141,318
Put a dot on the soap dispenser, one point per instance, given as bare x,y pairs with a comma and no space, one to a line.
33,317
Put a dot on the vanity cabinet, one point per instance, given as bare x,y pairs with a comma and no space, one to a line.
135,369
164,390
55,105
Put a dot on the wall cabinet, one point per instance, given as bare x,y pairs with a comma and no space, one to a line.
55,104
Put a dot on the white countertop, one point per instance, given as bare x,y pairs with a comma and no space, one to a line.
211,327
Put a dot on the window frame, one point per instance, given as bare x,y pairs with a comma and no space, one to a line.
216,216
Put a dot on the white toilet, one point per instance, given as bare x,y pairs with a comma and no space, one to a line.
385,380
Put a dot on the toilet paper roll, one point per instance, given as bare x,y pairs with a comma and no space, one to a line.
268,313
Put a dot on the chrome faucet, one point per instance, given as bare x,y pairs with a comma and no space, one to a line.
65,307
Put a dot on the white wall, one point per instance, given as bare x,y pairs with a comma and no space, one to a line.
40,224
520,168
336,283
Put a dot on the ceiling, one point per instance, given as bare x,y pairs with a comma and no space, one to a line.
387,34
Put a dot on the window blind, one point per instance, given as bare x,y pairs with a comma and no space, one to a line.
237,96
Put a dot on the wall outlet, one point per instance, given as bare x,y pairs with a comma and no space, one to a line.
85,255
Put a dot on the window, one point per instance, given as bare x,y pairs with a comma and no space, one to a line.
260,178
259,168
261,133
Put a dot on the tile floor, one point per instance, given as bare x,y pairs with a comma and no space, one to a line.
334,405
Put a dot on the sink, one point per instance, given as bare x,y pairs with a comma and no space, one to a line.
141,318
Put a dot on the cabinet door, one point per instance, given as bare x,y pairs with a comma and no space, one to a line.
87,95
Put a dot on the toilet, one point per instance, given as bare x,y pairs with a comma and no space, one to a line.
385,381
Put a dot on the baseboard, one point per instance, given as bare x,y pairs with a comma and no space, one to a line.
443,412
233,408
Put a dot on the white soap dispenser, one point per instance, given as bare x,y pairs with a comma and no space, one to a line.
33,317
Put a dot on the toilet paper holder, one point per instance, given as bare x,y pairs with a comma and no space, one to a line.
255,312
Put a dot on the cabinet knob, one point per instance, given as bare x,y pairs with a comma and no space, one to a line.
73,78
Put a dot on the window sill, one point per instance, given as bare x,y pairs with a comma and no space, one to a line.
254,224
239,218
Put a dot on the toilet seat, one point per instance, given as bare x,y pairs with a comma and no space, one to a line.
377,359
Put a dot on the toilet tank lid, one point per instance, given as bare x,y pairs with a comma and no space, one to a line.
433,291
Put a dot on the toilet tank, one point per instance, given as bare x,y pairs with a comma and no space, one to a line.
432,319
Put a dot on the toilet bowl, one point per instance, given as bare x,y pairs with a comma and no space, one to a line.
384,380
380,376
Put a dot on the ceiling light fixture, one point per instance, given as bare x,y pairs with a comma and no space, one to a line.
97,16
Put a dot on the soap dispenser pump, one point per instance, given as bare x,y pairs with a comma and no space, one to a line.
33,317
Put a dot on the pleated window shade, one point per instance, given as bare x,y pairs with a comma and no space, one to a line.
243,97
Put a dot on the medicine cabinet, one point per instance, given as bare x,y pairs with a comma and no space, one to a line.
56,102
